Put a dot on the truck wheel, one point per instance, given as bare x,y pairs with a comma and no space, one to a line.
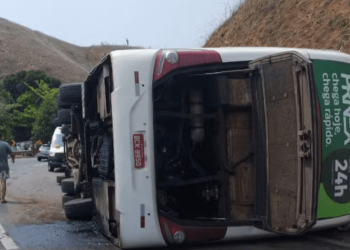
67,197
64,116
59,178
78,209
50,168
71,93
67,186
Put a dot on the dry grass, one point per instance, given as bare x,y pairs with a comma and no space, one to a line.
24,49
287,23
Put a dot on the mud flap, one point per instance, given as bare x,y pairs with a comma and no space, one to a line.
285,143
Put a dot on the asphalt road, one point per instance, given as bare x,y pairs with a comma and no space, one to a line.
33,218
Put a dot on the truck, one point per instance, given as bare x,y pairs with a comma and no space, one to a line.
185,146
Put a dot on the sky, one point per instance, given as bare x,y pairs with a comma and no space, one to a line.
146,23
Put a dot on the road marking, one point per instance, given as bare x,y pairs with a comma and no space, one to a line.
6,241
38,165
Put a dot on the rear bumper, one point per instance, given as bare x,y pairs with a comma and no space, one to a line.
56,162
43,156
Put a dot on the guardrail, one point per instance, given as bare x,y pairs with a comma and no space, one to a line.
25,148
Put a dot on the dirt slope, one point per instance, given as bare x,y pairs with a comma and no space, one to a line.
321,24
24,49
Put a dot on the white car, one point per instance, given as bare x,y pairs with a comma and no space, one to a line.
56,153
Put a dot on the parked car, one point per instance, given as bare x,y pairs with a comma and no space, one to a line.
56,153
43,152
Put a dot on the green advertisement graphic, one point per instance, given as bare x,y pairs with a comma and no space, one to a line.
333,87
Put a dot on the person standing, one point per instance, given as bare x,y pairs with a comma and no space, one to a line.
5,150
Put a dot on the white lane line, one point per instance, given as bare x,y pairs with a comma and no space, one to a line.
6,241
38,165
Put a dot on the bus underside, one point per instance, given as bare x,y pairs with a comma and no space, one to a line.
222,154
234,145
203,147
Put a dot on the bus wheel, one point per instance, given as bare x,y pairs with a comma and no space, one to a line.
67,186
67,197
78,209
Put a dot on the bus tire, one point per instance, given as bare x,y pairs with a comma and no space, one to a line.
67,197
62,104
56,123
78,209
64,116
59,178
71,93
67,186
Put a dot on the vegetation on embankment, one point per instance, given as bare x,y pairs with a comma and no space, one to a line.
316,24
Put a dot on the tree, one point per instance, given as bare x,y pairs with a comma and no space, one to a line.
7,105
15,83
38,107
42,125
28,100
25,115
6,119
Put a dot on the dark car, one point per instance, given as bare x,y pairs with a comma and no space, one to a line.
43,152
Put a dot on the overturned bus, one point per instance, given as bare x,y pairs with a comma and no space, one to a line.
176,147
